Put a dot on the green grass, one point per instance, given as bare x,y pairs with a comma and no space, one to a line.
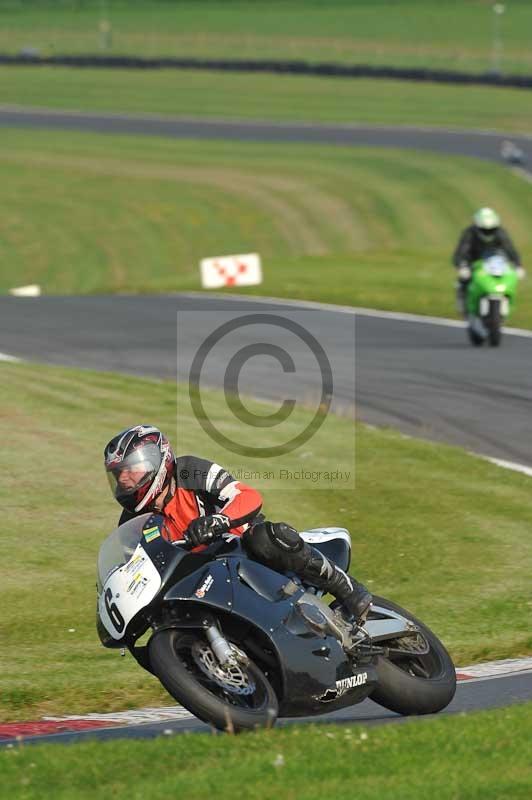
284,97
482,756
92,214
438,531
455,34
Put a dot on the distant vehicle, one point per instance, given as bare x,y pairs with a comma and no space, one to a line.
238,644
490,298
511,153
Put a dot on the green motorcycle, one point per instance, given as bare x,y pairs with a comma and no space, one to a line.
490,298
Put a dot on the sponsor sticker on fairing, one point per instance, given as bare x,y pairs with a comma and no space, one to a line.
137,585
135,563
344,685
151,533
205,586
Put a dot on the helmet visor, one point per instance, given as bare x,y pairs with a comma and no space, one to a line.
136,471
487,234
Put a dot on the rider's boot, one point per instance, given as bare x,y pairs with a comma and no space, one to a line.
280,547
461,298
322,574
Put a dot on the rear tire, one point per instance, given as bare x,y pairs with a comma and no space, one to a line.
401,690
247,700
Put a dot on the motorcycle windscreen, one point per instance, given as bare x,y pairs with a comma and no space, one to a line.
127,578
119,546
496,265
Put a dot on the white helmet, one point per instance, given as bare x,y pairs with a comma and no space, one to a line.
486,222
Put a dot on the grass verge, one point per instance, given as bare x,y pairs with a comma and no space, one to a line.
90,214
434,529
483,755
276,97
454,34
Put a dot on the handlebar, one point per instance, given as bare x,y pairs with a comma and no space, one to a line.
185,542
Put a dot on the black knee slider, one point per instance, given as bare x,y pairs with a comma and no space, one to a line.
285,537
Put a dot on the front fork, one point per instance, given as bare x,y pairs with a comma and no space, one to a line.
226,654
484,305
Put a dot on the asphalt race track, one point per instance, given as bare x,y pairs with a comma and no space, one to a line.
481,144
419,377
422,378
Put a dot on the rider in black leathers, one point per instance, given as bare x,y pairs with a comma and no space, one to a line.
484,237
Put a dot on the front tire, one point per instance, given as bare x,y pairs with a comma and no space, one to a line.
423,684
233,701
494,324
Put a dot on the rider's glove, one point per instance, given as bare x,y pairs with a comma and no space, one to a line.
206,529
521,272
464,273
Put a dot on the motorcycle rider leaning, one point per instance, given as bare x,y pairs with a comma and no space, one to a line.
483,238
201,502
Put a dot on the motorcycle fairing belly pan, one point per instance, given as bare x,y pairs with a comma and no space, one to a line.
311,663
314,669
311,680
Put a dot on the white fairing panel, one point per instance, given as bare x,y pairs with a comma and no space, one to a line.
317,535
128,589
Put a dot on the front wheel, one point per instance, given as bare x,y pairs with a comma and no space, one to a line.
494,323
416,683
235,698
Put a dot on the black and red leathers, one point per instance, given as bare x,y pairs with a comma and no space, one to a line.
201,488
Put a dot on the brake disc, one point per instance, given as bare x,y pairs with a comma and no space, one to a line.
230,677
413,643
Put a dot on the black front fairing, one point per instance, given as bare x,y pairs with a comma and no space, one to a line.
309,664
255,607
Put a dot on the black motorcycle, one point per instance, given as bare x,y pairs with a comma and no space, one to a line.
239,644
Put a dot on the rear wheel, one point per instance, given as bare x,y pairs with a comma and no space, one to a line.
423,680
234,698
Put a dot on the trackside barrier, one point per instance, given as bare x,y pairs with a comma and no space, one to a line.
287,67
